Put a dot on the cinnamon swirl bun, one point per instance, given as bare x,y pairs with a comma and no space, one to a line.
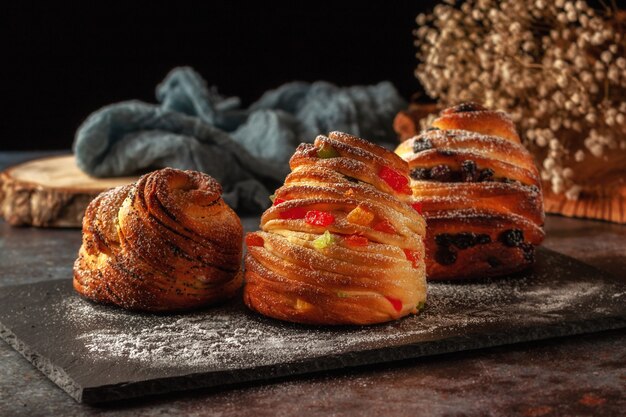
480,193
341,243
167,242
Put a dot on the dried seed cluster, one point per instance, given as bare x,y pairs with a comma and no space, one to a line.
558,67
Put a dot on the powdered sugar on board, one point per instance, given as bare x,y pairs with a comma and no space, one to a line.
231,337
99,353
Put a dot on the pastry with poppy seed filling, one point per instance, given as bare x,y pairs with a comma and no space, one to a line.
341,243
165,243
480,193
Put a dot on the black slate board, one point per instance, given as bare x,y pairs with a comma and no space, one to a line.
98,353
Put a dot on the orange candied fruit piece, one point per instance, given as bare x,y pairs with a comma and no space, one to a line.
360,215
384,226
302,305
412,256
253,239
356,240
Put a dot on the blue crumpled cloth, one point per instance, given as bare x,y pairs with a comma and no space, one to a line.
246,150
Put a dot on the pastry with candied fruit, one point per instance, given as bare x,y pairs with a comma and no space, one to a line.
341,243
168,242
480,193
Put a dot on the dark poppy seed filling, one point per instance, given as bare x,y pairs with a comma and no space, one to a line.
512,237
445,256
441,173
443,239
494,262
461,240
420,174
483,239
422,144
469,172
465,240
529,252
486,175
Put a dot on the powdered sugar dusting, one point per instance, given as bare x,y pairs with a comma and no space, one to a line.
231,337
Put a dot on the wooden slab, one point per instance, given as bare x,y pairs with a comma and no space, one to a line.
50,192
98,353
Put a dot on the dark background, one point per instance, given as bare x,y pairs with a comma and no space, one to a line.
59,65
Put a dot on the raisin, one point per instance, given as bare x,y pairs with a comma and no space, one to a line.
430,129
482,239
512,237
443,239
445,256
494,262
464,240
441,173
351,179
445,152
485,174
422,144
468,171
467,107
420,173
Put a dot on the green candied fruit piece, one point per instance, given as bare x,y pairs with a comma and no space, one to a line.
272,197
421,305
327,151
324,241
342,294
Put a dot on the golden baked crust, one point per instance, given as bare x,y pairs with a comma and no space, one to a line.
480,194
168,242
341,244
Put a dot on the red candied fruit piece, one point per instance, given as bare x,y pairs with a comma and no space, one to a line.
293,213
277,201
384,226
417,206
412,256
356,240
397,181
396,303
319,218
254,240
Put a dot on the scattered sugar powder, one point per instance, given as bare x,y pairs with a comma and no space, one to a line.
230,337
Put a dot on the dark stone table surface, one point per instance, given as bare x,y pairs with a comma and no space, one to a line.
572,376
